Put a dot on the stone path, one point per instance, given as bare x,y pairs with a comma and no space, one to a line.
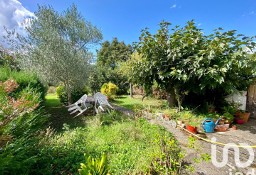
244,134
207,168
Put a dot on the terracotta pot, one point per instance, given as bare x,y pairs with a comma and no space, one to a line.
191,128
245,116
234,127
221,128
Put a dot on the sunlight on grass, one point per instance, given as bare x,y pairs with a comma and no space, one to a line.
137,103
52,100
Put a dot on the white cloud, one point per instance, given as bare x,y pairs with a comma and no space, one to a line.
252,13
173,6
13,16
199,24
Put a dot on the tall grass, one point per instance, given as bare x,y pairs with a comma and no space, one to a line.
131,146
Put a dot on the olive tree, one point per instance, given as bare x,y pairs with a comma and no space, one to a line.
56,47
186,61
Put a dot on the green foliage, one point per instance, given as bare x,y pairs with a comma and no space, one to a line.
96,79
109,60
75,94
229,116
26,125
6,59
31,155
169,160
109,89
61,93
131,147
24,79
15,104
188,62
94,166
112,53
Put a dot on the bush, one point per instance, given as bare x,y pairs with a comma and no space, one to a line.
24,79
109,89
75,95
28,124
15,104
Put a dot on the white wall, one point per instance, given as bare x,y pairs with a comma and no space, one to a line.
239,97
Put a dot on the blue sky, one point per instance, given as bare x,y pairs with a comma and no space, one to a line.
125,19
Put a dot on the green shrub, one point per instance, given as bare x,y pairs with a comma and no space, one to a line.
24,79
75,94
109,89
28,124
15,104
61,93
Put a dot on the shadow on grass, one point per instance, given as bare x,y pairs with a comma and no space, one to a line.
59,115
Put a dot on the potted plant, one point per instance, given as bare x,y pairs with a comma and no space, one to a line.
243,115
229,112
229,118
192,125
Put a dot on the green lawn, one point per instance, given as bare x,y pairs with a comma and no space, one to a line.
52,100
132,146
59,114
137,103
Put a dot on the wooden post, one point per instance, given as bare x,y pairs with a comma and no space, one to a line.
251,100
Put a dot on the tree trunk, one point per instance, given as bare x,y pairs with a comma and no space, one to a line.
178,98
69,97
171,98
68,91
131,91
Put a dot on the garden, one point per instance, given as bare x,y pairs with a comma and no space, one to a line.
178,75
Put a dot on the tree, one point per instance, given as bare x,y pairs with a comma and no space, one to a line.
126,68
109,59
112,53
189,62
56,47
7,59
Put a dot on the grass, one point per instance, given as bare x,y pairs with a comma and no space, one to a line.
52,100
137,103
131,145
59,114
